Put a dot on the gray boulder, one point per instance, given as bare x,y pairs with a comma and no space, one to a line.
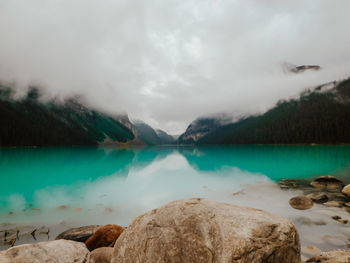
80,234
57,251
199,230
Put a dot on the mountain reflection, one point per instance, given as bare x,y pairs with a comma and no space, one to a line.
147,177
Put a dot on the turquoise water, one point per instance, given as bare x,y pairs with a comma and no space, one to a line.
45,178
66,187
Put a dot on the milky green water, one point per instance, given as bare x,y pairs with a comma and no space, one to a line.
108,185
48,177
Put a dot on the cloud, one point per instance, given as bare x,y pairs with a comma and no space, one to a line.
168,61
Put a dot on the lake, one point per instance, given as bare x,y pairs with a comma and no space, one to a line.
58,188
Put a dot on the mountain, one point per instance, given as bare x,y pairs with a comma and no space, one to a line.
31,122
200,128
165,138
148,135
320,115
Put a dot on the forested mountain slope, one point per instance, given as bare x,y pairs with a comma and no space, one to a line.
30,122
321,115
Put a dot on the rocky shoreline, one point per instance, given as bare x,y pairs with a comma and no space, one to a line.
198,230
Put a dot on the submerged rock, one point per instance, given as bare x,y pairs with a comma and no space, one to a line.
199,230
318,197
328,182
335,256
105,236
101,255
294,184
301,202
310,251
62,251
80,234
333,204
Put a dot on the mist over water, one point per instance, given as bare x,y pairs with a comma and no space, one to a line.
66,187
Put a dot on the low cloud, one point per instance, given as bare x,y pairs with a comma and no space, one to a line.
168,62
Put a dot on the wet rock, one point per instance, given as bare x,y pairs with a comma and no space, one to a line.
333,204
337,197
346,190
328,182
105,236
101,255
80,234
62,251
318,197
294,184
199,230
335,256
301,202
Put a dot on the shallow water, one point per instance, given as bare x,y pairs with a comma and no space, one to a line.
107,185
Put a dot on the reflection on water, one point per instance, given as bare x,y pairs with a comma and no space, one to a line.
101,185
49,177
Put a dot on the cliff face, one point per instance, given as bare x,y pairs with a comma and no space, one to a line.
30,122
199,129
320,115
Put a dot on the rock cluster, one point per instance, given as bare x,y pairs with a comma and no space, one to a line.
191,230
326,190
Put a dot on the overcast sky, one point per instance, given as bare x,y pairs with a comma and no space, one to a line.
168,62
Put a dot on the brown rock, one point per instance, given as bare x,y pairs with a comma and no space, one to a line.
101,255
318,197
63,207
80,234
105,236
62,251
199,230
301,202
328,182
334,256
346,190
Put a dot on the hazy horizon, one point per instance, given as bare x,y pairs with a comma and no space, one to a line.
169,62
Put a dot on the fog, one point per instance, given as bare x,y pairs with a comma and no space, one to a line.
168,62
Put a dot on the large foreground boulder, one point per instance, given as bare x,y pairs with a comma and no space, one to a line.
80,234
199,230
57,251
334,256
